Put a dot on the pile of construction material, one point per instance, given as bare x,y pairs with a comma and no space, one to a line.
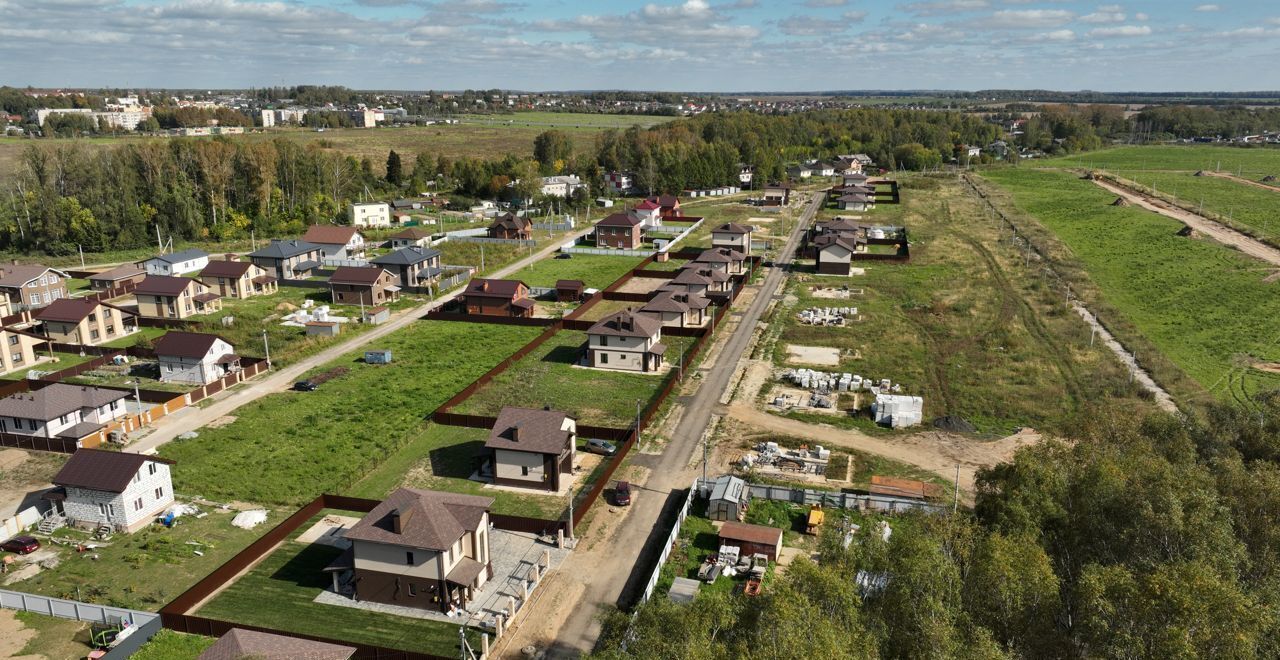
309,313
824,382
827,315
802,460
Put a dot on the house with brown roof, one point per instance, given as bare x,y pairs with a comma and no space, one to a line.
231,278
362,285
733,236
498,298
725,259
751,539
241,644
626,341
532,448
776,194
85,321
411,237
115,489
164,297
668,206
677,309
194,357
29,286
857,200
116,277
693,276
420,548
415,266
337,241
570,290
835,252
511,226
19,349
622,231
61,411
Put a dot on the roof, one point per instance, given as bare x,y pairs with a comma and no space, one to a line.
178,257
17,275
163,285
731,228
729,487
665,201
719,255
429,519
206,297
185,344
99,469
465,572
855,197
839,225
357,275
67,310
665,301
408,256
481,287
691,276
510,221
56,400
777,185
278,249
570,284
531,430
619,220
226,268
626,324
412,234
903,487
118,273
239,644
751,533
827,240
329,234
648,205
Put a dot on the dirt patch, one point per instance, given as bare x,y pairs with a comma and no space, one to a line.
820,355
14,636
328,531
642,285
1269,367
221,421
12,458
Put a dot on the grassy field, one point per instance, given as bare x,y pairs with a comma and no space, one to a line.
547,376
291,446
64,361
54,637
563,120
1171,290
278,594
1247,208
170,645
1251,163
596,270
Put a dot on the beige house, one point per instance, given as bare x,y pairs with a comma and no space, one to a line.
116,277
677,309
19,349
238,279
733,236
626,341
724,259
32,286
532,448
834,253
175,297
84,321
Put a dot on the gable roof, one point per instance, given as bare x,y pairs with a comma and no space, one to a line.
507,289
407,256
510,221
241,644
648,205
329,234
626,324
665,301
844,241
164,285
666,201
121,272
838,226
750,533
528,429
429,519
226,268
412,234
619,220
179,257
17,275
284,249
576,285
185,344
56,400
691,276
357,275
731,228
69,310
99,469
722,255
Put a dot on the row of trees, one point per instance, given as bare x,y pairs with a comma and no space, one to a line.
1154,538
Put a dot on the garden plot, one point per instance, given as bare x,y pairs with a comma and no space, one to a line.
642,285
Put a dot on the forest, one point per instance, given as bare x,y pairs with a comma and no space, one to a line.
1143,538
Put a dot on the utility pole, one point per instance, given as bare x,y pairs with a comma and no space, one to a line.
637,420
266,347
159,242
81,249
955,506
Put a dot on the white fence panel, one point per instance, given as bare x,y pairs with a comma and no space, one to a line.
70,609
671,541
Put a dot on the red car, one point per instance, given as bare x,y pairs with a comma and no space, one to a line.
622,493
23,545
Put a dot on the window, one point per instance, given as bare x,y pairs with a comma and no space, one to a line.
604,358
62,419
106,509
93,318
47,297
604,340
408,558
111,330
13,340
43,280
137,477
524,470
93,334
34,299
32,424
57,293
160,492
16,357
151,467
137,504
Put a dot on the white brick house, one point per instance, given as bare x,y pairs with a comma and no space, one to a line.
61,411
123,491
194,357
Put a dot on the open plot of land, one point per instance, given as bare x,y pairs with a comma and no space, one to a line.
291,446
607,307
1247,208
1170,288
567,120
30,636
279,593
1253,163
549,376
597,271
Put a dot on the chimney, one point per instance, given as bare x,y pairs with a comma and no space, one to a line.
2,272
231,257
484,285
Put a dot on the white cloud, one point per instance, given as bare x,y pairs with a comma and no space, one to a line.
825,3
943,7
1103,17
854,16
1057,35
1017,19
1121,31
1208,7
1140,16
807,26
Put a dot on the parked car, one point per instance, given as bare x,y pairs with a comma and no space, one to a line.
564,255
622,493
305,386
23,545
602,447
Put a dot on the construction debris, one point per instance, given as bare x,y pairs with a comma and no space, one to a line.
1120,201
834,316
802,460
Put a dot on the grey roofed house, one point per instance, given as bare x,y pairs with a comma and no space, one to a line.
626,324
427,519
189,254
17,275
691,276
99,469
284,249
529,429
407,256
56,400
666,301
241,644
732,228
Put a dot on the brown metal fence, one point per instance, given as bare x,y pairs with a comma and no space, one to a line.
58,445
500,367
486,318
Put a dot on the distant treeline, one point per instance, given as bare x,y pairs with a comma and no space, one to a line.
1058,129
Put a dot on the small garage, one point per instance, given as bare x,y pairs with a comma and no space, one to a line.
569,290
750,539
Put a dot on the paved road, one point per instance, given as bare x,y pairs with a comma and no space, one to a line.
278,380
670,472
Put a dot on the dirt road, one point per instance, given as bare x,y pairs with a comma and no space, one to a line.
1229,237
276,381
1237,179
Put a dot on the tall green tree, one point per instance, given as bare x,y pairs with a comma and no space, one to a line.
394,173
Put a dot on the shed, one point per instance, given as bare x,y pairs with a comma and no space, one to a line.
728,499
604,202
378,356
569,290
683,590
376,315
750,539
323,329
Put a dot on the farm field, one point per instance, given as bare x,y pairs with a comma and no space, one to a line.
1169,288
288,447
1251,163
597,271
1248,208
965,324
564,120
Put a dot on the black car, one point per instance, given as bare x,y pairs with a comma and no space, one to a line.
564,255
304,386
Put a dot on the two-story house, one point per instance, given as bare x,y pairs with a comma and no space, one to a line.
164,297
61,411
691,281
626,341
194,357
693,273
371,214
288,259
675,309
116,277
18,349
724,259
411,237
414,266
85,321
733,236
422,548
834,252
177,263
668,205
338,242
231,278
123,491
776,194
619,230
511,226
498,298
532,448
363,285
32,286
648,212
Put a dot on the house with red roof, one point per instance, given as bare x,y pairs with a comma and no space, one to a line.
498,298
623,231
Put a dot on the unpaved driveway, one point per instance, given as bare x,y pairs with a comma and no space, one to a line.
1237,179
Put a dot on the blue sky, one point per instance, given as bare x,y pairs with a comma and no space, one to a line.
695,45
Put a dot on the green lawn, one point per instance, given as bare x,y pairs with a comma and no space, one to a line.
278,594
64,361
1247,208
143,335
547,376
291,446
1251,163
170,645
1204,306
597,271
54,637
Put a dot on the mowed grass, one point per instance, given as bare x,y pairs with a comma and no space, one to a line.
548,376
597,271
289,447
1202,305
1253,162
278,594
170,645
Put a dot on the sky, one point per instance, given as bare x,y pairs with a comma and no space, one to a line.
695,45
